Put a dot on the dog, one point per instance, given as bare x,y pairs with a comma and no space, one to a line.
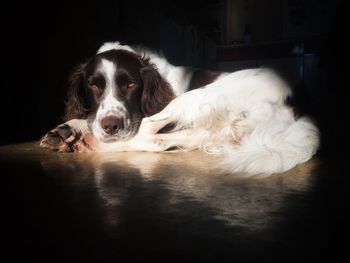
128,98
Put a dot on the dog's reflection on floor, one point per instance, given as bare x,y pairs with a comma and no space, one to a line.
179,183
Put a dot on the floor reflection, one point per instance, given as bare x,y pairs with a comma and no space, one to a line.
143,207
147,186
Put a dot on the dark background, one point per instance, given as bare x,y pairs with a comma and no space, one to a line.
43,41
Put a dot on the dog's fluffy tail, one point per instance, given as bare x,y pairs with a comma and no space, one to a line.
273,148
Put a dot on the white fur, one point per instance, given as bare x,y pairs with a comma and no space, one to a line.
242,117
113,45
110,105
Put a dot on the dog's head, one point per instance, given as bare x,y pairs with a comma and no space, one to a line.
114,90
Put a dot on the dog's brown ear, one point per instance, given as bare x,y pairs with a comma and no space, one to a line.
75,103
157,93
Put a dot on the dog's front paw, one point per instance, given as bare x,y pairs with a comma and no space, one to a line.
86,143
61,139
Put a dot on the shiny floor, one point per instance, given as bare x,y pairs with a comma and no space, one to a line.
169,207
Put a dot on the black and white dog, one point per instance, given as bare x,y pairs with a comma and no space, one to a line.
125,96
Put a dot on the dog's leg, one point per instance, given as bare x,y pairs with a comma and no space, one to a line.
178,140
154,123
64,136
182,140
141,142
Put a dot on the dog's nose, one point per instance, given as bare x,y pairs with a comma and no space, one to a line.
112,124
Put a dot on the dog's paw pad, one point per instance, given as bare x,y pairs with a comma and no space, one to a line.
67,133
60,139
53,139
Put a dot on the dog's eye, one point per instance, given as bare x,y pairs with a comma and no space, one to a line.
131,85
94,87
